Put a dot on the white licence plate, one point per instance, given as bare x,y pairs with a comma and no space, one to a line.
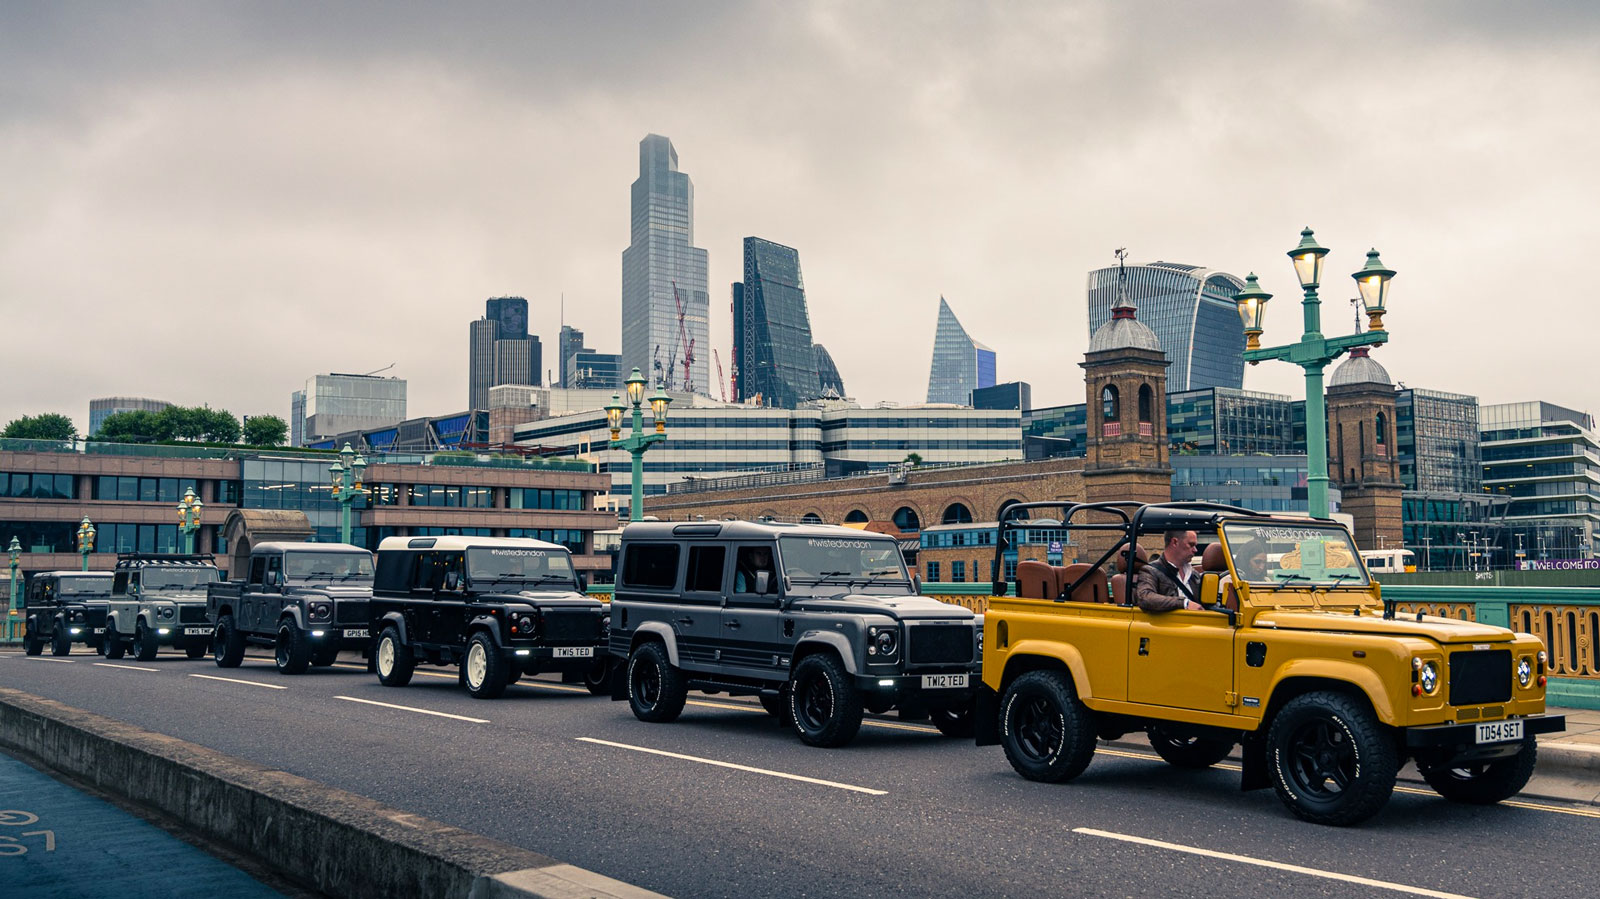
195,631
573,652
356,632
943,681
1499,731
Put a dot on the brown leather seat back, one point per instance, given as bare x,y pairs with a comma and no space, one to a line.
1093,588
1215,559
1119,589
1119,581
1037,580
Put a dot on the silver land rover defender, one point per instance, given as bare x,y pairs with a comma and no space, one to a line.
822,623
159,599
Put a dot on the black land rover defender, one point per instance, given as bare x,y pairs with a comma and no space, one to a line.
65,607
820,622
306,600
499,607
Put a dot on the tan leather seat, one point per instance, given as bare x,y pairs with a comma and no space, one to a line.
1119,581
1037,580
1093,588
1215,561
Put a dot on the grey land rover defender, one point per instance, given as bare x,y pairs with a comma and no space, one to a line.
159,599
822,623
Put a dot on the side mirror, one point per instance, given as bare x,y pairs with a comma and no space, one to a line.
583,582
916,583
763,582
1210,588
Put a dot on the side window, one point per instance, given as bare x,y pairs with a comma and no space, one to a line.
258,570
653,566
427,573
704,574
750,561
275,568
119,582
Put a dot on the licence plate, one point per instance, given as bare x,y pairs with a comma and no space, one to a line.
943,681
196,631
1499,731
573,652
356,632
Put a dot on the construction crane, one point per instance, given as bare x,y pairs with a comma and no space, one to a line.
656,364
685,341
722,388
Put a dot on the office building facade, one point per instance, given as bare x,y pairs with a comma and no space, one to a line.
664,275
1010,395
501,351
111,405
588,370
829,381
772,349
1541,473
569,345
1192,312
335,403
960,364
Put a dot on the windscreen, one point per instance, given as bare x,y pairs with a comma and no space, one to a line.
85,585
487,565
841,559
332,566
178,578
1293,555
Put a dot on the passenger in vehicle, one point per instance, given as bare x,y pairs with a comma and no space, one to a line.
752,560
1252,563
1156,586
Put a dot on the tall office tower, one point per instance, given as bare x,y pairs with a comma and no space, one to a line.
1191,309
828,377
338,404
571,344
771,328
501,351
960,364
664,276
297,418
111,405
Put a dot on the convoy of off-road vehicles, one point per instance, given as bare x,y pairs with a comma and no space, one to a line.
1284,651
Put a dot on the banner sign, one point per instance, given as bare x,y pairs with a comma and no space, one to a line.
1559,564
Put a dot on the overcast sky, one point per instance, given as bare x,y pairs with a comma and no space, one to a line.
210,202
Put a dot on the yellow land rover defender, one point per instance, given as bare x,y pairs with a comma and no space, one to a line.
1294,656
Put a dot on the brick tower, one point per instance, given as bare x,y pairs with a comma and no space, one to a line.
1125,378
1361,449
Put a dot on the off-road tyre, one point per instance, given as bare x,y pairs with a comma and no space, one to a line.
1180,751
1330,760
1484,783
656,689
824,704
597,677
114,645
1047,733
227,644
32,645
195,651
392,659
60,642
324,656
144,646
958,723
483,671
292,651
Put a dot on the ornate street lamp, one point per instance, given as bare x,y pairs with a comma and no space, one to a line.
347,474
638,440
189,509
11,617
1314,352
85,541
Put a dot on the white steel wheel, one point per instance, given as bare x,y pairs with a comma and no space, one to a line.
477,666
385,657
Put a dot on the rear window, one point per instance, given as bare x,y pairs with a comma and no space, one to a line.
650,565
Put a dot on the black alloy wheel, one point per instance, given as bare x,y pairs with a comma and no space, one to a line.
227,644
1330,760
959,722
145,646
823,702
113,644
60,641
1047,733
195,651
656,690
293,651
597,677
1182,751
1487,782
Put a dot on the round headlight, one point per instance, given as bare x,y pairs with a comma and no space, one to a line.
1428,677
885,642
167,612
321,611
1524,671
605,626
525,625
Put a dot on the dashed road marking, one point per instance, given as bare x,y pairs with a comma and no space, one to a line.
720,764
1264,863
48,659
124,667
234,680
407,708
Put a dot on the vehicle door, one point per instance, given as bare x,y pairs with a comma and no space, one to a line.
697,612
450,605
427,578
1181,659
751,618
248,615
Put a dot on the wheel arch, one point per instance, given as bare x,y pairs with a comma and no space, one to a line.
813,642
485,624
399,622
1032,656
1295,686
659,632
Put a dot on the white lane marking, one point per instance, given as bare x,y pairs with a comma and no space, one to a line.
124,667
48,659
234,680
406,708
693,758
1278,866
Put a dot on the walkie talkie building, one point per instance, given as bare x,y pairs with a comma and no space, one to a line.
1191,309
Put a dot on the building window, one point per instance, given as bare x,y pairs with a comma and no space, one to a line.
1146,403
933,571
811,518
855,515
957,513
958,572
906,519
1380,429
1110,404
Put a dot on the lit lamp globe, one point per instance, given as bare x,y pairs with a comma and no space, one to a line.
1308,260
1252,302
635,384
614,410
659,401
1373,282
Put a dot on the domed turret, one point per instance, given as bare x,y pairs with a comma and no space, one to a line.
1360,368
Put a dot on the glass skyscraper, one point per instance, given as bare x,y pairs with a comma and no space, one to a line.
960,364
662,261
1191,309
772,330
828,377
500,350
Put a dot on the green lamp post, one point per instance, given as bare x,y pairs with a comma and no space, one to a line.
1314,352
347,474
189,509
11,611
638,440
85,541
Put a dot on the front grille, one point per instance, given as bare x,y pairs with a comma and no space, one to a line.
1480,677
582,626
192,613
935,644
352,612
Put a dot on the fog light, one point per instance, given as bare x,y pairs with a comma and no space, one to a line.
318,633
524,652
889,682
164,630
75,630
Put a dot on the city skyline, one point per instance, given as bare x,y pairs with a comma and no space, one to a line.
392,170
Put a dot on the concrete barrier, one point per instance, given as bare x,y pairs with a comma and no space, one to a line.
338,843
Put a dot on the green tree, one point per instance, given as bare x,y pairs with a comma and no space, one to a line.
46,426
913,459
137,426
182,423
221,426
265,430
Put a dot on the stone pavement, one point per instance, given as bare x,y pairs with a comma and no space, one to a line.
1569,762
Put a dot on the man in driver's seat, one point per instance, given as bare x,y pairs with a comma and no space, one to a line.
1156,586
751,561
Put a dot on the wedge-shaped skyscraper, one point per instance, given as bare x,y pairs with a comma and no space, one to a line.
960,364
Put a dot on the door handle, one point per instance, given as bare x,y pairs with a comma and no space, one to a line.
1144,646
685,621
733,623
